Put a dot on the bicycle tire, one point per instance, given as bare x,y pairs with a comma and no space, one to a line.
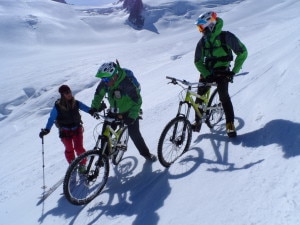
171,148
214,115
80,189
121,147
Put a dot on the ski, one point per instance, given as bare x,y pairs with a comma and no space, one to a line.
48,192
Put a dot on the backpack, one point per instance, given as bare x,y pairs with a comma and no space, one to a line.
229,56
132,78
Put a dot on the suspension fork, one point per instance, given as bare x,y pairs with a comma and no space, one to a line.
101,139
186,116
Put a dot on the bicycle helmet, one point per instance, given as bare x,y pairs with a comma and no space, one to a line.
108,69
206,20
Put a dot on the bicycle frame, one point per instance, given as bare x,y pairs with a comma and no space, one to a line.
189,100
109,135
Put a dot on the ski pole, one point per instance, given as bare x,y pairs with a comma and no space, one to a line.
44,185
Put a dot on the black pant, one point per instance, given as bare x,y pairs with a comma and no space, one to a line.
136,137
138,140
222,87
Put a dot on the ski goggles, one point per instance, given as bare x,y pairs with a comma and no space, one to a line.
201,27
106,79
110,80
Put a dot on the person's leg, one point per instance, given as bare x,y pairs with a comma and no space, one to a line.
227,106
138,140
225,100
78,142
69,149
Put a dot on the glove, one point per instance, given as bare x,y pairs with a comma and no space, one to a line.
208,79
102,106
44,132
93,113
128,121
230,76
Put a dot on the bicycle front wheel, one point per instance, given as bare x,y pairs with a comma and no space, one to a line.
81,187
174,140
121,146
215,114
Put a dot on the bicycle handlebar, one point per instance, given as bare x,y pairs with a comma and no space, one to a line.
200,84
187,83
109,118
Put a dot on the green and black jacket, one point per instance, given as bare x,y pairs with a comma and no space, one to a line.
210,55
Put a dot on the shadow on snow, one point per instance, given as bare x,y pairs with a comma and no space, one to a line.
139,195
284,133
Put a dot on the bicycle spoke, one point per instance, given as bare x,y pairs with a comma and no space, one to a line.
81,188
215,114
174,141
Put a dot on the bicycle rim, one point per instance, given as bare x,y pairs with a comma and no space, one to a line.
174,141
121,147
79,188
214,115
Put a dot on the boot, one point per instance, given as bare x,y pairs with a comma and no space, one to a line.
230,129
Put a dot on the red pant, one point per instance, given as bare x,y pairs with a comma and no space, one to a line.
73,141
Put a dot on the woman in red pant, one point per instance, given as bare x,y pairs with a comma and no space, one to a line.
65,114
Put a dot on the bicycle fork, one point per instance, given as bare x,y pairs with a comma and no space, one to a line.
178,140
94,173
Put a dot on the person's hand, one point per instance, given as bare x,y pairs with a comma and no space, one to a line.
44,132
129,121
230,76
208,79
102,106
93,113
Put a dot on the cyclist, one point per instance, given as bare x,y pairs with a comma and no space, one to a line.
212,59
65,114
124,98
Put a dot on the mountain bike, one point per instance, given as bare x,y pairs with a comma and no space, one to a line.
175,138
81,187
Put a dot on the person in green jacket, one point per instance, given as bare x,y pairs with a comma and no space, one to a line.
213,55
124,97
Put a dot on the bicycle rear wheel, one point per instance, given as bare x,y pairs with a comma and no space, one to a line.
214,115
81,188
121,146
174,140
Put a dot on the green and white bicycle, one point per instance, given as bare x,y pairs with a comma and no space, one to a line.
175,138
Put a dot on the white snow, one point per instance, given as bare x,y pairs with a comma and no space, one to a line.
250,180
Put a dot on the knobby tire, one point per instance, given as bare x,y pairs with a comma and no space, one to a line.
80,189
214,115
174,140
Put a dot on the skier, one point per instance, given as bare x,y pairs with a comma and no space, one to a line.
124,98
212,59
65,114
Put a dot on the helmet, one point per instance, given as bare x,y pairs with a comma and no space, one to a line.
208,19
107,70
64,89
